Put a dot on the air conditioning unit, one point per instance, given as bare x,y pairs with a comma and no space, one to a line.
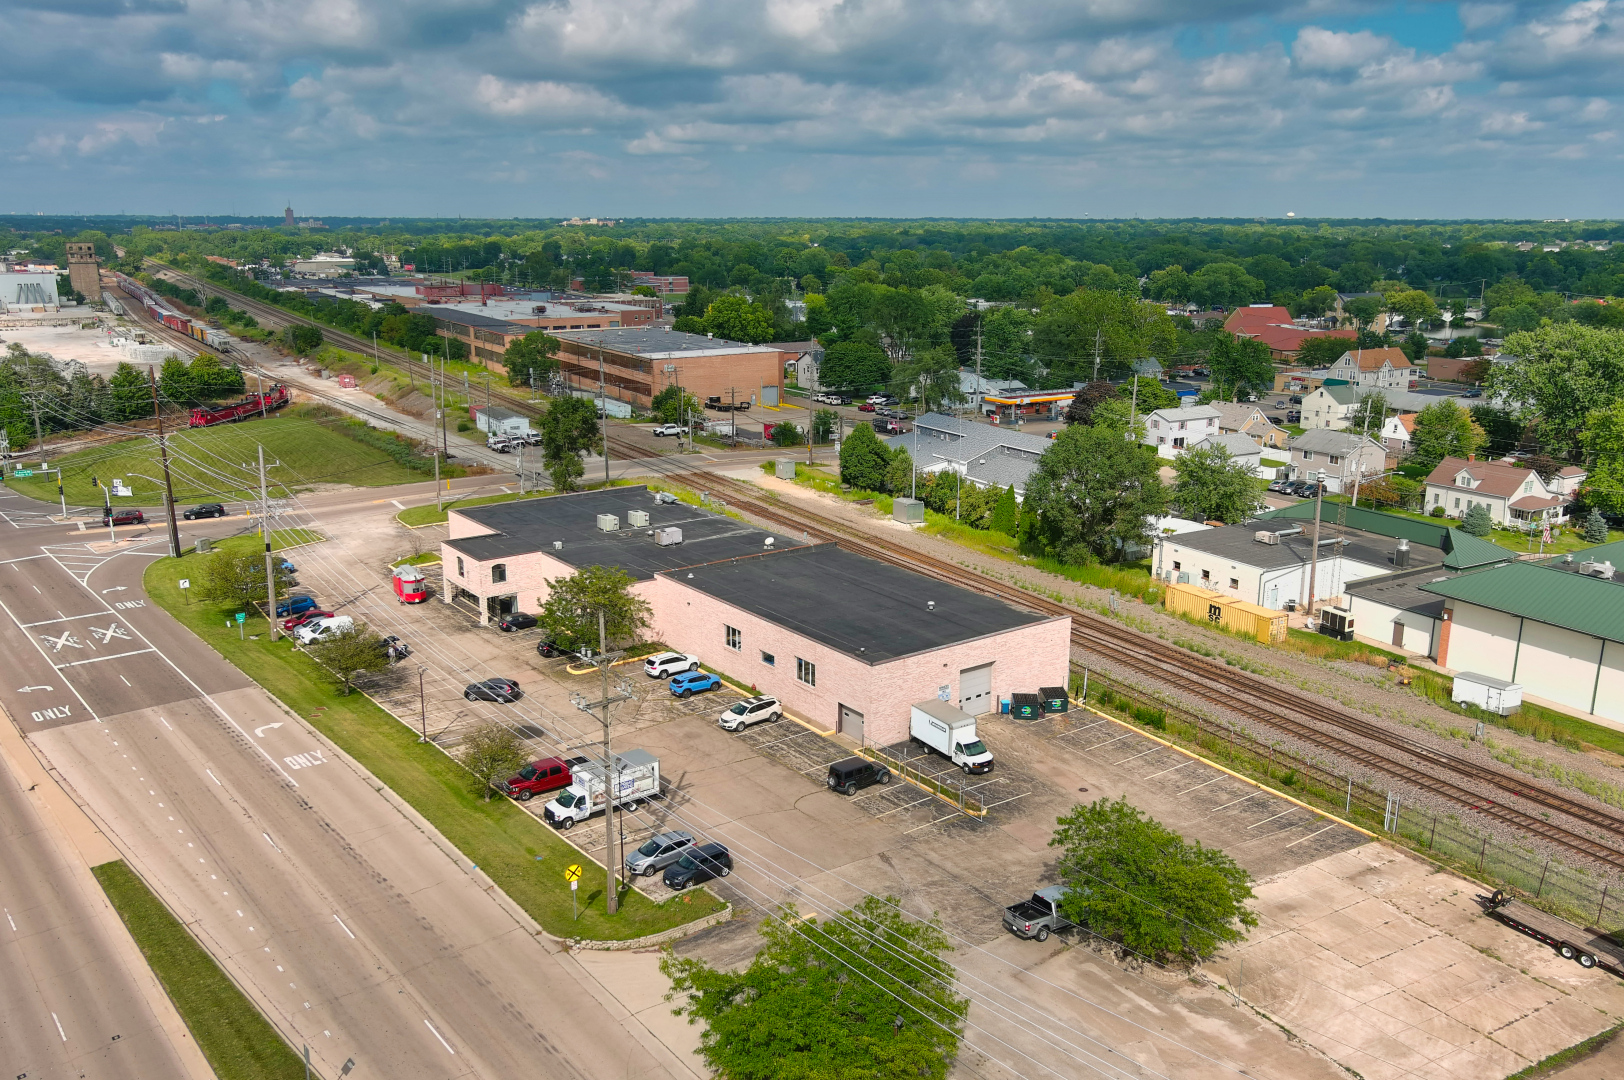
637,518
1591,568
1264,536
669,537
608,523
1336,623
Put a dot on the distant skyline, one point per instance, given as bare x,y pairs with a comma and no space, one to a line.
892,108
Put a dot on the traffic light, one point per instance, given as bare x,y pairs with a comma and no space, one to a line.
94,482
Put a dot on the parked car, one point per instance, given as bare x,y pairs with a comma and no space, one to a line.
317,630
502,690
207,510
1281,404
537,778
1294,417
500,443
295,605
879,399
125,517
741,714
867,406
663,665
662,430
888,400
293,622
1309,491
694,682
1037,917
658,852
1295,399
1278,486
515,620
849,774
1277,418
532,438
698,865
1473,394
551,649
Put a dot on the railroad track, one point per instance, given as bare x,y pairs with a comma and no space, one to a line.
1242,693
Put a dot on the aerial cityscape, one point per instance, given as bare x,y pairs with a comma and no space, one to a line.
783,542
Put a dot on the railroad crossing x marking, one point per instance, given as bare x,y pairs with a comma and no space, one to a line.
114,631
56,643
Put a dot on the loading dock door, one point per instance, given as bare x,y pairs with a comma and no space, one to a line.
975,689
851,723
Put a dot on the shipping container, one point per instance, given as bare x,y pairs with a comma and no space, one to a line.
1231,613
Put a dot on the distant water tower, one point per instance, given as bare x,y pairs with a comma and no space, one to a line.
287,217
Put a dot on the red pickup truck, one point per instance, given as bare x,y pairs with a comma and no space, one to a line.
538,777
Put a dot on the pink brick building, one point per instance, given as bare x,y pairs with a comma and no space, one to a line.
845,642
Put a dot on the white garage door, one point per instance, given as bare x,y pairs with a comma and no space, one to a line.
975,689
851,723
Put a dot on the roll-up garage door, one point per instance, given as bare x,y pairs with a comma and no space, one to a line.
975,689
851,723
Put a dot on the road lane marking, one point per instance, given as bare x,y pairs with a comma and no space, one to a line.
259,732
1175,768
59,1030
216,779
437,1035
47,658
10,920
271,842
25,558
1266,820
96,659
1310,836
57,643
1198,787
65,618
398,503
346,929
1233,802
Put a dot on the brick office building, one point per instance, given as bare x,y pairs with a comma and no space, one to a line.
488,329
845,642
639,363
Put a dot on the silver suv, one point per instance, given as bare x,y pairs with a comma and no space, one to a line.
658,852
742,714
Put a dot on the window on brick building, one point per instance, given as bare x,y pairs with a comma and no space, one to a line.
498,573
734,638
460,571
806,671
767,658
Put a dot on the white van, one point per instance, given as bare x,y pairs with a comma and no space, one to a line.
323,629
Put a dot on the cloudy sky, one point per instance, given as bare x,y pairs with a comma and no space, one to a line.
898,108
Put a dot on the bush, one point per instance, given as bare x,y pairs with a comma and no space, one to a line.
1477,521
1436,511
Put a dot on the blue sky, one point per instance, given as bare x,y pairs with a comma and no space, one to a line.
821,107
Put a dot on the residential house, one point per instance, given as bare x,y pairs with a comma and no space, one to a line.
1240,449
1273,326
1341,456
1398,431
1330,406
1515,497
1340,309
1237,418
1374,369
984,455
1171,430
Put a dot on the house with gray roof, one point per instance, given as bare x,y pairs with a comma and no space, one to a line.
1171,430
1341,456
1240,449
984,455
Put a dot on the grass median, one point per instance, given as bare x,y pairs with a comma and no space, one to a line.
522,855
238,1041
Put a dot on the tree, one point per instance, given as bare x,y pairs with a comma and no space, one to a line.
569,428
736,319
1363,309
1171,285
351,653
787,434
899,473
1603,442
1081,409
866,993
1413,305
570,609
824,423
931,376
1132,879
1147,395
1502,430
1415,347
1240,364
1477,521
228,578
175,382
1213,486
864,459
1595,527
1315,302
818,321
491,752
1322,351
529,361
1559,374
1006,512
131,394
1094,492
303,339
1226,285
668,405
1118,328
850,365
1369,415
1443,429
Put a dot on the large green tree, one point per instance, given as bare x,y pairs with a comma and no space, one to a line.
1117,328
1444,429
1603,442
854,365
1089,398
1415,306
131,397
569,428
867,993
491,752
1239,365
357,651
1318,352
1558,374
529,361
1213,486
1094,492
673,405
864,459
737,319
1131,879
1226,285
569,611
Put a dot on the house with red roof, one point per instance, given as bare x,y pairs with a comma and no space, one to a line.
1515,497
1272,325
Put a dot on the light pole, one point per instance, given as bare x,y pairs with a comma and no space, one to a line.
422,704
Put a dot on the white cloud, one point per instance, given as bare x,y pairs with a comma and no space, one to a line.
1331,50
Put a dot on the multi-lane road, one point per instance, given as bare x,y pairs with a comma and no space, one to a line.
352,924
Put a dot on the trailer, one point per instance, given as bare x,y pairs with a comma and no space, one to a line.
1590,948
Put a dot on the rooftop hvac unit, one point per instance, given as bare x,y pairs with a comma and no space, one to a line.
1401,555
637,518
669,537
608,523
1596,569
558,545
664,496
1264,536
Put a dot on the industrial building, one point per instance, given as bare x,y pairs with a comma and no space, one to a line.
634,364
846,642
28,291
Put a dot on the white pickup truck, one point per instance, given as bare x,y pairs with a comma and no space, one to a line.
636,777
950,732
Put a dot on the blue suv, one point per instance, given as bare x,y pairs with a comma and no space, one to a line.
295,605
694,682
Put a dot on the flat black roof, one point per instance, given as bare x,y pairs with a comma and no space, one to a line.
531,525
1403,590
1239,543
869,610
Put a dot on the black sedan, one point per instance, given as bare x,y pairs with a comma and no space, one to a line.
517,620
207,510
551,649
700,864
503,690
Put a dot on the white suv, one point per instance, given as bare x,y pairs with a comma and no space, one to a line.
668,429
666,664
324,629
742,714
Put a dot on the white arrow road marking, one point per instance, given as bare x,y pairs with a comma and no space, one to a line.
115,588
259,732
56,643
31,689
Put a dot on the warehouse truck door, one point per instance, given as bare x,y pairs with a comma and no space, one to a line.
851,723
975,689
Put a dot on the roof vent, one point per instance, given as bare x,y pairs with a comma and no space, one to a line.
767,542
558,545
930,605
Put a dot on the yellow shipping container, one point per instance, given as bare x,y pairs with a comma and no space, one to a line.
1229,612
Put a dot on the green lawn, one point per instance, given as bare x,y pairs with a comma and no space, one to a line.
303,445
1564,539
522,855
238,1041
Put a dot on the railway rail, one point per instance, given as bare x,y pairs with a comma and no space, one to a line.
1242,693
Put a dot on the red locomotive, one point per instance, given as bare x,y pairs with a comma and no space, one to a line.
246,409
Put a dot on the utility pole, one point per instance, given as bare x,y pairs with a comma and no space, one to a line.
265,531
603,429
1096,355
1313,555
1358,469
1133,406
603,661
163,454
39,436
259,387
980,390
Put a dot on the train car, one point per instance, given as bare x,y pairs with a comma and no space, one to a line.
249,407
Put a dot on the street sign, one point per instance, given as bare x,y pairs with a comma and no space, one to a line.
122,490
186,583
242,616
22,472
572,873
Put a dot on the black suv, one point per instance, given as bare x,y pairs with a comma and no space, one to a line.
207,510
849,774
700,864
502,690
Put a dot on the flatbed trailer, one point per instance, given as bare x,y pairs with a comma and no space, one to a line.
1589,948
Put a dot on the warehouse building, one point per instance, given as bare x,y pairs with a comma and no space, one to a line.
1556,627
634,364
846,642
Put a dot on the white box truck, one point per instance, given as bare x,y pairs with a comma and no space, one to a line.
635,777
950,732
